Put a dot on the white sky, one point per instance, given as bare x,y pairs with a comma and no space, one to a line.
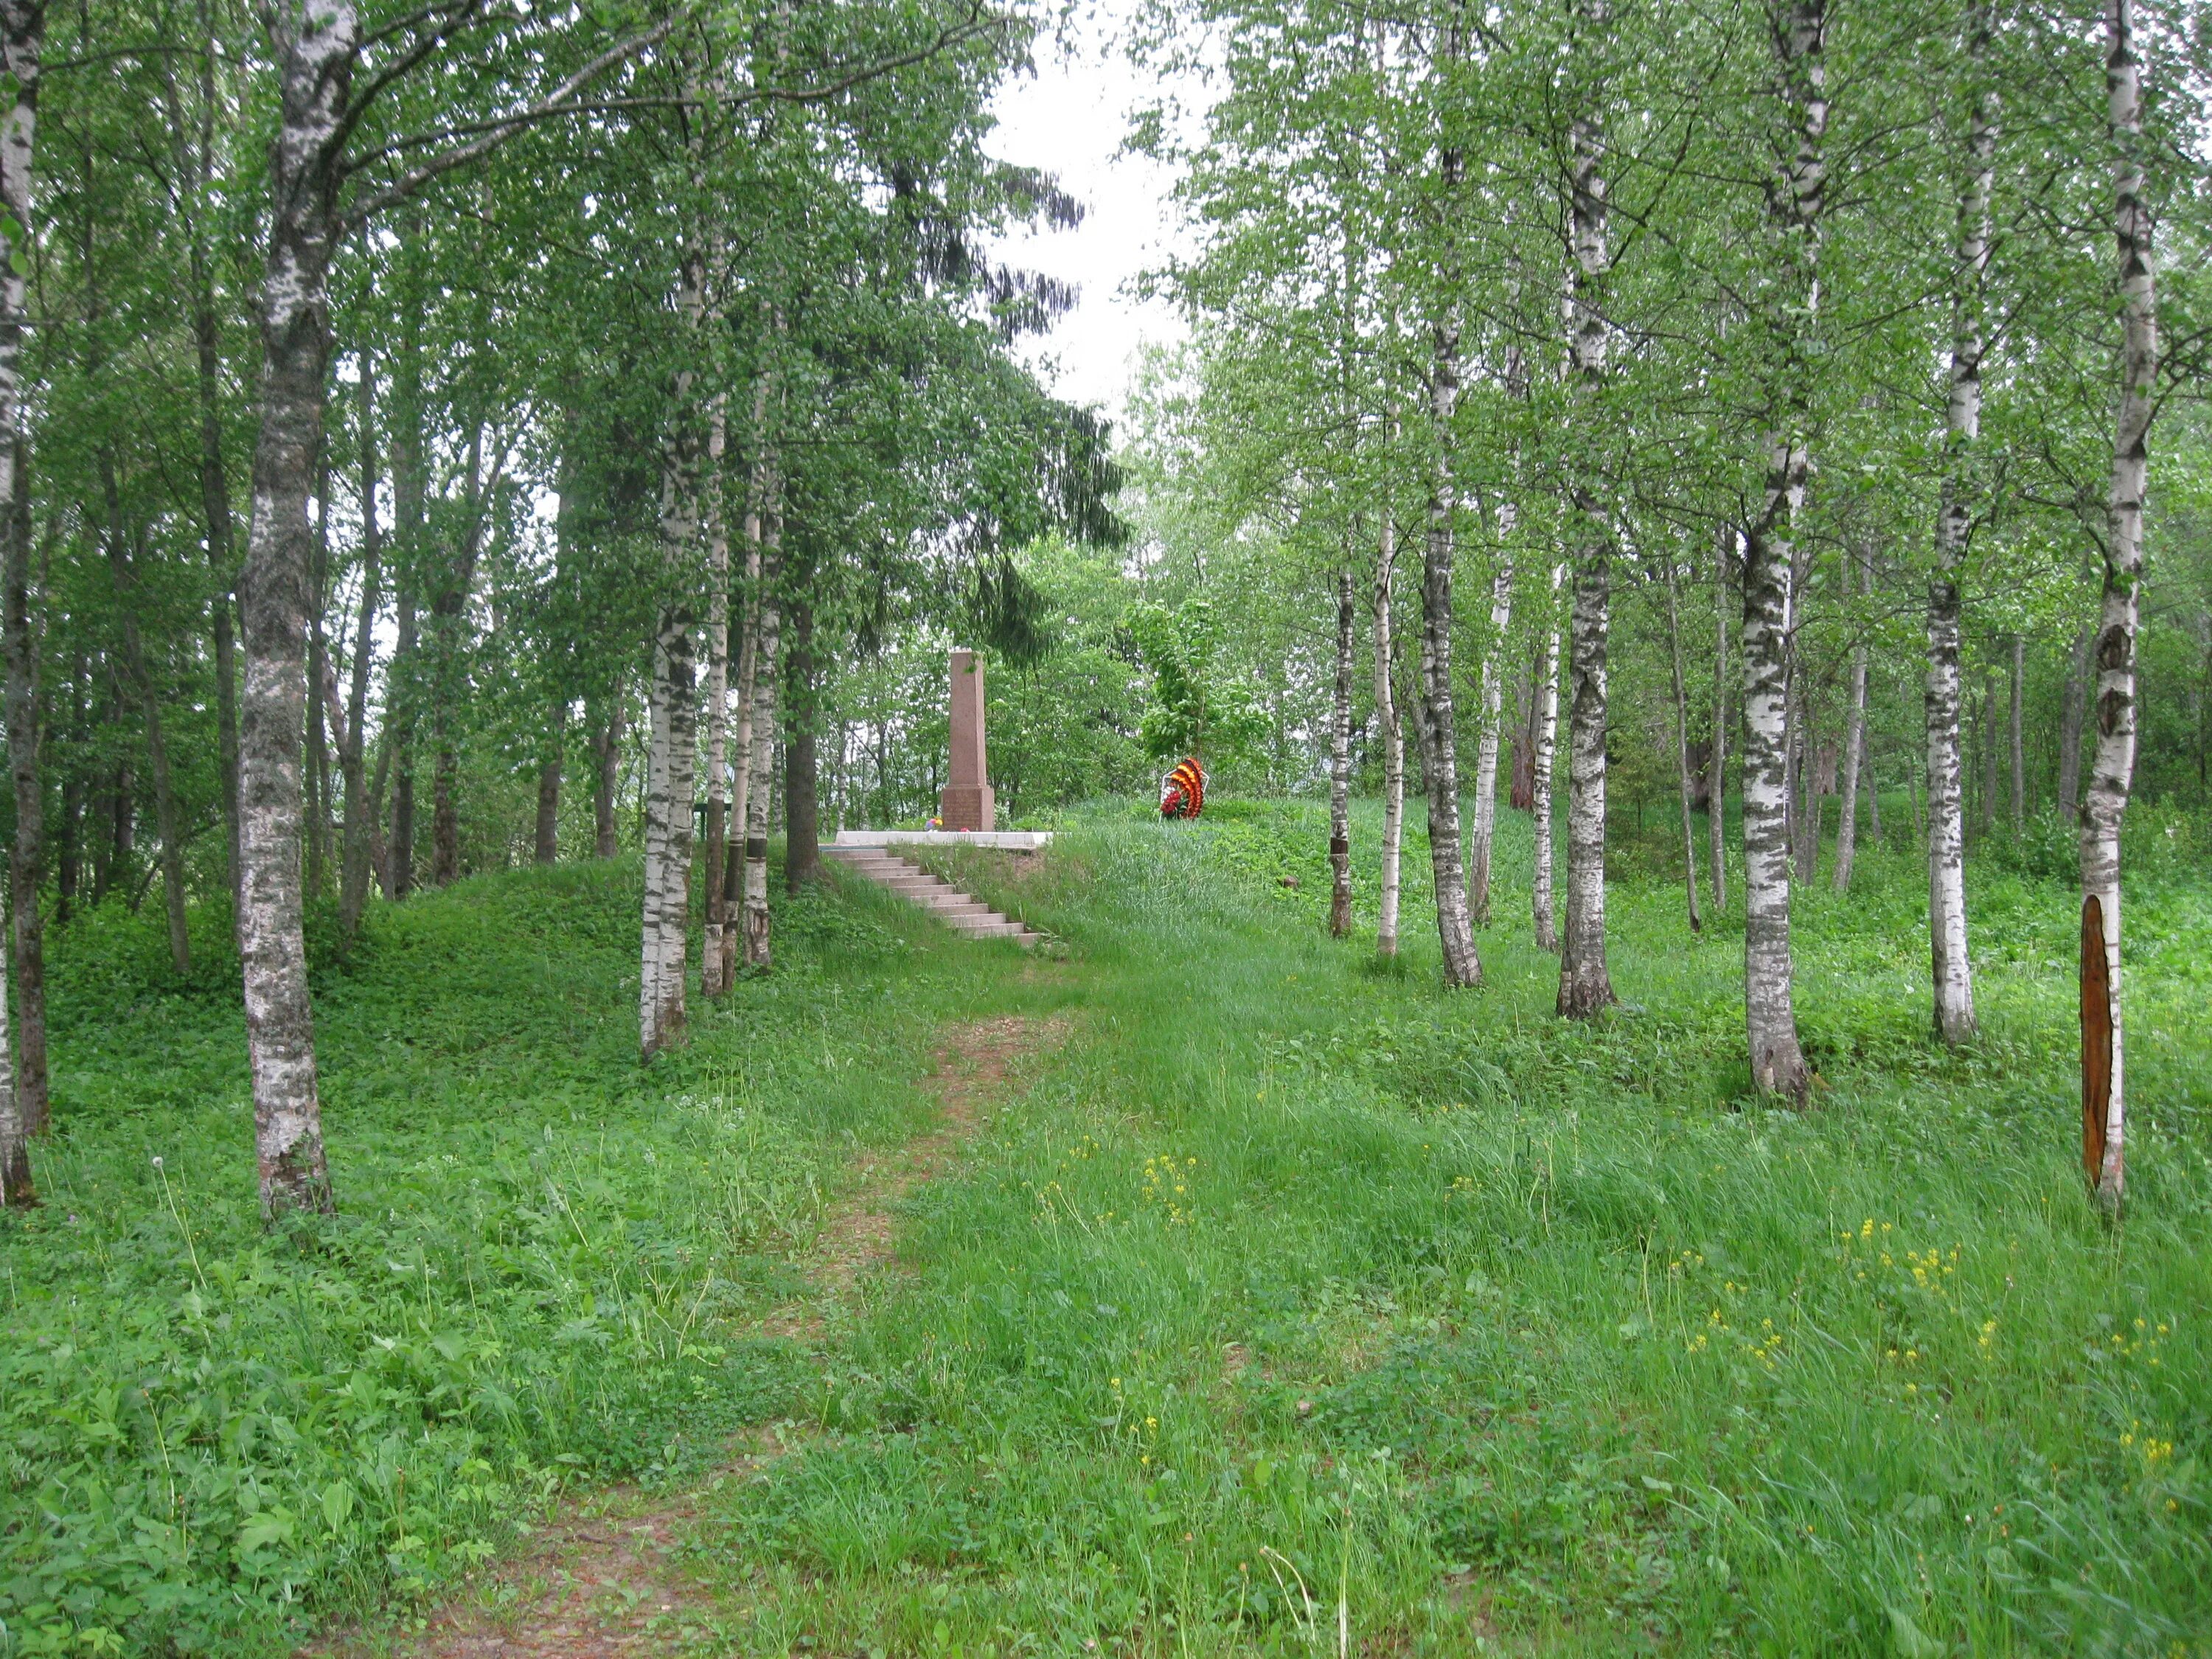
1069,118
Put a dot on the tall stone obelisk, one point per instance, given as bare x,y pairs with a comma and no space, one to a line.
967,803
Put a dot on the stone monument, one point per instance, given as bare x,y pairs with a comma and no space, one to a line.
967,803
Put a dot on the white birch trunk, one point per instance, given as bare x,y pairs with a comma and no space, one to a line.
761,793
1585,985
1951,968
1547,738
1486,755
1392,730
2112,759
1777,1061
672,706
1339,762
315,45
712,962
1847,821
1439,742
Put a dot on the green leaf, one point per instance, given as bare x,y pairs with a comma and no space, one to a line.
338,1504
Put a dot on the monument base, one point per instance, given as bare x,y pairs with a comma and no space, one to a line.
960,808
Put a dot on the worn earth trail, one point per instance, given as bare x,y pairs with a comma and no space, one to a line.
600,1580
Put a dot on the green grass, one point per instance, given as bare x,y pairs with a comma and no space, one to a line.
1288,1269
214,1439
1502,1332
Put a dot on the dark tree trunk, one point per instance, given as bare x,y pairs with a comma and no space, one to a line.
166,816
802,836
606,750
361,809
548,847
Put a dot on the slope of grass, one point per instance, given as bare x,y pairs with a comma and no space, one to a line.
1303,1292
214,1437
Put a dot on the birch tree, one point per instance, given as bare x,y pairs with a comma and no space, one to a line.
1585,985
1951,968
2112,757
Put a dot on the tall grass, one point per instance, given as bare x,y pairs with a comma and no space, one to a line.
541,1270
1488,1330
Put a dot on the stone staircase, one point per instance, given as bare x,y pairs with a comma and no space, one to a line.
939,897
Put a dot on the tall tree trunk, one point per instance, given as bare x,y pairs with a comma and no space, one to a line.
319,668
1439,737
17,1190
361,804
166,816
1847,816
402,678
1807,829
2070,729
673,712
1682,750
1716,784
1339,763
547,841
1778,1061
1485,753
70,844
2113,760
22,30
1390,727
2019,752
315,49
1989,757
760,792
802,839
606,750
1548,739
713,965
1585,985
741,762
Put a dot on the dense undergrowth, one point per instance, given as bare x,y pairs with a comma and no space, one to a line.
214,1436
1306,1292
1297,1291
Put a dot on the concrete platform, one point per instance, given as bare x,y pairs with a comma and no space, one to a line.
1001,841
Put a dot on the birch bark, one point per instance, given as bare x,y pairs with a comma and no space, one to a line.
1339,763
1439,741
23,31
1392,730
673,704
712,963
2112,759
314,44
1951,968
1585,985
1548,739
1485,754
759,949
1778,1061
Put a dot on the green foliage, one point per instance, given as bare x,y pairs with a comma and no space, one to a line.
542,1272
1199,706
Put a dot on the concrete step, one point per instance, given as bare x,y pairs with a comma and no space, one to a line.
940,898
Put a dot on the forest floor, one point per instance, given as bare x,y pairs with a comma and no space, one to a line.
1212,1288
